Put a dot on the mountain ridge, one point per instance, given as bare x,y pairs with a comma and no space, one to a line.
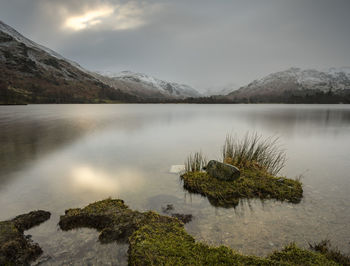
32,73
295,82
147,86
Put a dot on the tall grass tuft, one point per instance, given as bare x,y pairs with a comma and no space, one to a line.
195,162
254,151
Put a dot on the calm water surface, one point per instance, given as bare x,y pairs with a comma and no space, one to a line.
55,157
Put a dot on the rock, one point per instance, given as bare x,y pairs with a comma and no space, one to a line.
185,218
15,248
222,171
112,218
168,208
177,169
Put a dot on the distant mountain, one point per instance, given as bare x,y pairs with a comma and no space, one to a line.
147,86
220,90
32,73
297,85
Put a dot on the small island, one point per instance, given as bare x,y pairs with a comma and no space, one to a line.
249,169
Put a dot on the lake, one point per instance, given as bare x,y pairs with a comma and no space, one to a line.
55,157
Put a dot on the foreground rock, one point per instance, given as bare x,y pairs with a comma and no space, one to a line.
162,240
222,171
15,248
112,218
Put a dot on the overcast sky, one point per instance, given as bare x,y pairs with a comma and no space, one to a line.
202,43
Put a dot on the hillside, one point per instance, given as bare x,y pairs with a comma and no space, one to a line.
31,73
147,86
296,85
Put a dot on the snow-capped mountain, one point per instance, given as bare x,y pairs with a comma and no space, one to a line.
296,82
220,90
30,72
29,43
147,86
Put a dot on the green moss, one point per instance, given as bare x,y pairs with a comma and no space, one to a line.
331,253
160,240
294,255
15,248
169,244
111,217
253,183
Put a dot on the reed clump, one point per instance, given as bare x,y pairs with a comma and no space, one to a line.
195,162
254,151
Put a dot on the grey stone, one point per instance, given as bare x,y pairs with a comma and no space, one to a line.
222,171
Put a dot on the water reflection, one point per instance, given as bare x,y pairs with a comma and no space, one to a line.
56,157
93,180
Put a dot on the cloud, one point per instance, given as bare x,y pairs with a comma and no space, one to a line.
117,16
88,19
202,43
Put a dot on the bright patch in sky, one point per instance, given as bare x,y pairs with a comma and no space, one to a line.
116,17
89,18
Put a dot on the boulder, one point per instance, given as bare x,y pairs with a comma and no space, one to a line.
222,171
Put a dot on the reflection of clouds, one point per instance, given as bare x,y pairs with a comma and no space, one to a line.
89,178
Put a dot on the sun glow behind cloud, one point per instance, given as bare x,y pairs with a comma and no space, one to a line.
113,17
89,18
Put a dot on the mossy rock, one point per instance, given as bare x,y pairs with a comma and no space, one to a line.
15,248
160,240
253,183
112,218
222,171
170,244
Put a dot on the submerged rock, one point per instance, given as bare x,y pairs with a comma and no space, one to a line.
168,208
185,218
222,171
15,248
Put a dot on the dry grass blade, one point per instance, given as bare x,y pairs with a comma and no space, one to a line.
254,150
195,162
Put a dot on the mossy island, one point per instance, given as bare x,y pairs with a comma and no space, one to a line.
259,162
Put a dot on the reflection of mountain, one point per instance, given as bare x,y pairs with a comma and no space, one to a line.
24,141
42,129
286,119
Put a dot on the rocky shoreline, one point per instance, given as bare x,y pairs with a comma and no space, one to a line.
15,247
153,239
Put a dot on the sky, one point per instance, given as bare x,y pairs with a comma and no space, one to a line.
203,43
